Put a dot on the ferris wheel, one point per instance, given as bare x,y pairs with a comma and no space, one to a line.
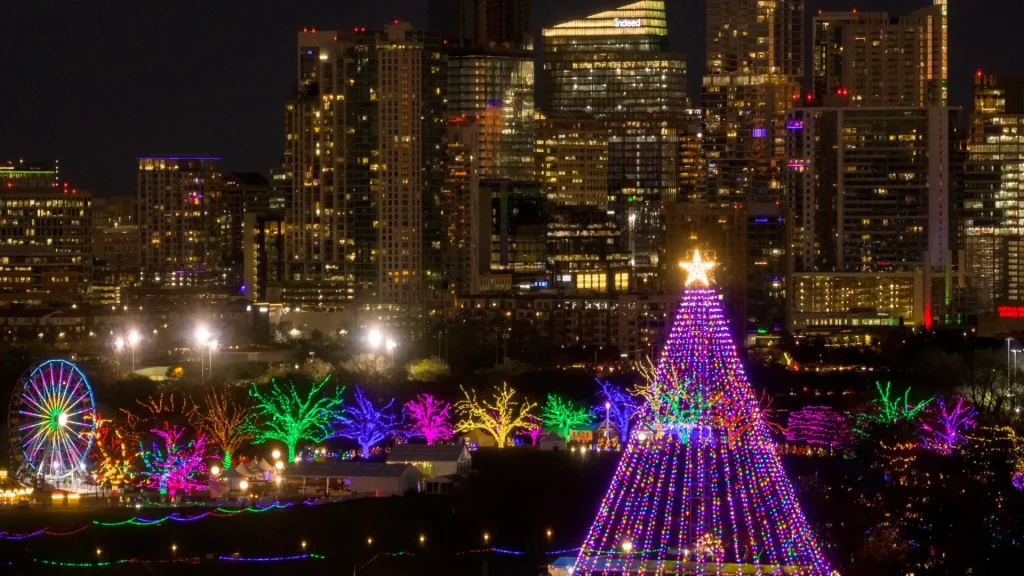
52,418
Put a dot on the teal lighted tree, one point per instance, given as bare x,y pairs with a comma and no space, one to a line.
290,418
563,415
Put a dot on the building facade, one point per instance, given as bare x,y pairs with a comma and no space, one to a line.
364,152
873,189
753,71
870,59
177,223
993,226
45,243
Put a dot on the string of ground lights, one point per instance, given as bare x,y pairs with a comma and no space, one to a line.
137,521
700,487
267,559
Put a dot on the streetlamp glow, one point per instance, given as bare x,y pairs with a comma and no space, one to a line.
243,485
202,335
134,338
119,344
375,337
391,345
276,454
279,465
215,470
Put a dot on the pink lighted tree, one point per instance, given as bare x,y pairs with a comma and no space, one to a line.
533,429
819,425
429,418
944,427
174,464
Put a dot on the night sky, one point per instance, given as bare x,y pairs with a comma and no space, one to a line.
97,83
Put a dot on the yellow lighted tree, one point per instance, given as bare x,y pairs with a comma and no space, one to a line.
224,421
499,417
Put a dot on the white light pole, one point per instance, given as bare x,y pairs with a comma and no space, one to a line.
202,337
391,345
133,341
213,346
119,347
607,416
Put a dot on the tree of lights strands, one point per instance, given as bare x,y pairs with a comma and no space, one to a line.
366,424
700,487
819,425
172,464
289,418
429,418
564,416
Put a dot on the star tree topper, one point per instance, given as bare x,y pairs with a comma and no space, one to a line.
697,270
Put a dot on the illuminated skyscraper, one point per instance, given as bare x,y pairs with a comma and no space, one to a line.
364,150
870,59
993,225
495,83
754,65
316,148
616,66
177,223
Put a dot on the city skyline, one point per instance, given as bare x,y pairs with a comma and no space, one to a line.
232,109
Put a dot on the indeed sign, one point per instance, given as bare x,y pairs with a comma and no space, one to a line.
627,22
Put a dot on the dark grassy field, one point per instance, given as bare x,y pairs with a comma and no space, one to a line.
515,496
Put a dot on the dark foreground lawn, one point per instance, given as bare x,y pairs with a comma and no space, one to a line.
515,496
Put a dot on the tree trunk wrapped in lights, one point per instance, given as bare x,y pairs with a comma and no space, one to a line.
290,418
700,487
226,422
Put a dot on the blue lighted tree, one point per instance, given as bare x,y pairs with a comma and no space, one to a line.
620,407
366,424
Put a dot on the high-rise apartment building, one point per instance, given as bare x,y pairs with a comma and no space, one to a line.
873,189
400,137
616,66
45,242
115,242
481,21
364,150
316,148
869,59
754,66
177,224
993,225
239,194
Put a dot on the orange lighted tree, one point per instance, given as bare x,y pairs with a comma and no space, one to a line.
225,421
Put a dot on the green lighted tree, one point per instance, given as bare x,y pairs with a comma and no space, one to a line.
563,415
287,417
887,410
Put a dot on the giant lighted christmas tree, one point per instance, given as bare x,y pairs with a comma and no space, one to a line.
700,488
